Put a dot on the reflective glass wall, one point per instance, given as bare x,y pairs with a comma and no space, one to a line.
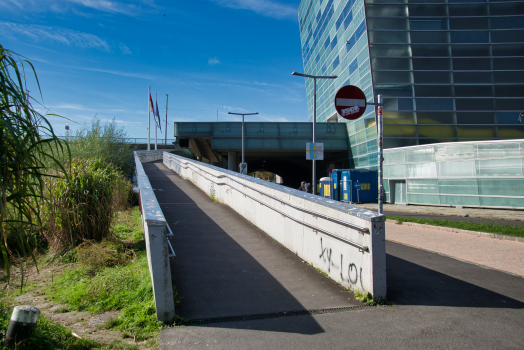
479,174
335,42
449,70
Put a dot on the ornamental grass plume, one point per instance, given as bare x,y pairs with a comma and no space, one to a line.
27,144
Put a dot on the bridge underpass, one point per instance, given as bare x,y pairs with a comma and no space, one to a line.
277,147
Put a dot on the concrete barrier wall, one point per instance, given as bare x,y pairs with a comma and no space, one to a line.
149,156
344,241
157,244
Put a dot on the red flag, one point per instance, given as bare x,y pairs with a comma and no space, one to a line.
151,105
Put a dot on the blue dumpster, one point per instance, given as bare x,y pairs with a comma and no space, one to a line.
336,176
326,187
359,186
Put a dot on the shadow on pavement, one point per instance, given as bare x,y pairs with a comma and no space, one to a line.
447,282
216,276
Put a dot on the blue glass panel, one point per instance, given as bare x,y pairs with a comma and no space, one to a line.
336,62
508,117
470,37
428,24
348,20
334,43
344,13
360,30
353,66
514,22
434,104
326,43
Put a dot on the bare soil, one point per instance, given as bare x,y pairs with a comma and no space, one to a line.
83,324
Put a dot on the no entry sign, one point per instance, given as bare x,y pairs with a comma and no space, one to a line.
350,102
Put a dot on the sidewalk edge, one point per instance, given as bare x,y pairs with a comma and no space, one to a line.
451,229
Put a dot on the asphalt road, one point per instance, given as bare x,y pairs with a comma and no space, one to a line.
439,303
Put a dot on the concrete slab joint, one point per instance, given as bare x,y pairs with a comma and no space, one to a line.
344,241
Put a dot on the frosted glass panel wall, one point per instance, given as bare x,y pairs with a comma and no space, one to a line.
478,174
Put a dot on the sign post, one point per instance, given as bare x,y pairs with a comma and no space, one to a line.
351,104
314,151
243,168
315,77
380,157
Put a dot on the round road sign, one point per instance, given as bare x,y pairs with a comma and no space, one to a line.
350,102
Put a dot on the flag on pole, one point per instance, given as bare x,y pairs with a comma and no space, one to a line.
151,105
157,115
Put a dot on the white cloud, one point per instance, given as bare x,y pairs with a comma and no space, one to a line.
62,6
213,61
109,6
63,36
267,8
124,49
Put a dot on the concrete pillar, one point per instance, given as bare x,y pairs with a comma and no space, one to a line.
232,161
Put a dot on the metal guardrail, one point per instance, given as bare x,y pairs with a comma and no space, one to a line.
362,230
132,140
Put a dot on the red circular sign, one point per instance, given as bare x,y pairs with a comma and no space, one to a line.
350,102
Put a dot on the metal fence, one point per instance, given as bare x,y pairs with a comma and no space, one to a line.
132,140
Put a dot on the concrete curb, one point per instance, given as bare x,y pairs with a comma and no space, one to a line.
450,229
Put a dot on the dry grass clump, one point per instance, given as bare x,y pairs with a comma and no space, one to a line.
93,257
82,205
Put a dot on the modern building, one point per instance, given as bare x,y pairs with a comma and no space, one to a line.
449,70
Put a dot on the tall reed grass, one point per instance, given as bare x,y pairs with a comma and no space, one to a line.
82,206
27,144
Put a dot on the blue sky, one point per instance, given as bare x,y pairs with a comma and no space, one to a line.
98,57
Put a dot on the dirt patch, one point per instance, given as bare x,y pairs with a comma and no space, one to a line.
83,323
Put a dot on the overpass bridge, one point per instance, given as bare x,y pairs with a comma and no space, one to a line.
275,147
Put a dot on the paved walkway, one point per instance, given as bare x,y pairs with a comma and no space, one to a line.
502,216
227,267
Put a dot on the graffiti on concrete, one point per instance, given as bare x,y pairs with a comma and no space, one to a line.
349,272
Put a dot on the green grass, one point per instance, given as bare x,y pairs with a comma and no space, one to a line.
491,227
125,287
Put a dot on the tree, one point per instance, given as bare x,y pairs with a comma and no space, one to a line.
27,144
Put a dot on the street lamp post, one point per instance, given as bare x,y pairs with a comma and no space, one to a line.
243,114
315,77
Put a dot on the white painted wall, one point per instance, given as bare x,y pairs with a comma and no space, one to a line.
362,270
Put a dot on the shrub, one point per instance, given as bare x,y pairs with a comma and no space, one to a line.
106,142
81,206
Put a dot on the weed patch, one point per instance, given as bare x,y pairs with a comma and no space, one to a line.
120,282
367,299
489,227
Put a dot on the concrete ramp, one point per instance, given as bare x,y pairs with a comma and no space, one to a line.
226,267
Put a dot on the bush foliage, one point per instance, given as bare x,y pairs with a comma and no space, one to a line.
106,142
81,206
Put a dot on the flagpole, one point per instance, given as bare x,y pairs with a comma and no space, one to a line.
156,126
149,119
166,119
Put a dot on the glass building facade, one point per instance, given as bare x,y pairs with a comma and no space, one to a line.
475,174
449,70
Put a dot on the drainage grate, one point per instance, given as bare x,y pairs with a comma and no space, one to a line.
204,321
